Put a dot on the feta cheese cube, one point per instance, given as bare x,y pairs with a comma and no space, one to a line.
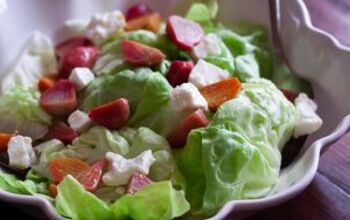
121,169
307,120
186,98
209,45
20,152
103,25
79,121
205,73
81,77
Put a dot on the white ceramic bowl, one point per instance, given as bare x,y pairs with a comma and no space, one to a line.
311,53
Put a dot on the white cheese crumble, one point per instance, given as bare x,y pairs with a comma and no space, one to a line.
186,98
20,152
103,25
307,120
81,77
209,45
121,169
205,73
79,121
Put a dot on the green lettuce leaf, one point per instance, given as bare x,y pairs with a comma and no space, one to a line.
256,44
10,183
109,194
127,83
46,150
224,60
285,79
100,140
37,58
199,12
155,201
247,67
20,111
204,14
111,59
146,91
238,155
74,202
163,67
164,168
94,144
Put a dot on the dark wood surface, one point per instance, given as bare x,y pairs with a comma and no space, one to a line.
328,196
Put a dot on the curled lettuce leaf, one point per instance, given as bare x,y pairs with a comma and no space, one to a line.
94,144
255,44
46,150
146,91
74,202
111,59
238,155
20,111
247,67
155,201
38,58
285,79
164,168
10,183
224,60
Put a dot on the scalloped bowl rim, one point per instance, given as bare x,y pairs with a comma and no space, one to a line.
237,205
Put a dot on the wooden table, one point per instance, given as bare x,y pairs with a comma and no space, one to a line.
328,197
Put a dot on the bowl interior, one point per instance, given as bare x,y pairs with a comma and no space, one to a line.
310,55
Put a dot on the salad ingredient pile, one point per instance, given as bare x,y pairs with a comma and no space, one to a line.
139,118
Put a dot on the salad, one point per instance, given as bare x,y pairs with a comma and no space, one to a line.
131,117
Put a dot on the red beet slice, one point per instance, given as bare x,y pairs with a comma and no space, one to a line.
112,115
91,177
62,132
138,54
291,96
62,48
184,33
136,11
59,100
77,57
136,182
177,138
179,72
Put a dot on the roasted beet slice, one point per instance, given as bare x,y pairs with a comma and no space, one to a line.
112,115
62,132
177,138
184,33
291,96
179,72
62,48
136,11
138,54
59,100
91,177
77,57
136,182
